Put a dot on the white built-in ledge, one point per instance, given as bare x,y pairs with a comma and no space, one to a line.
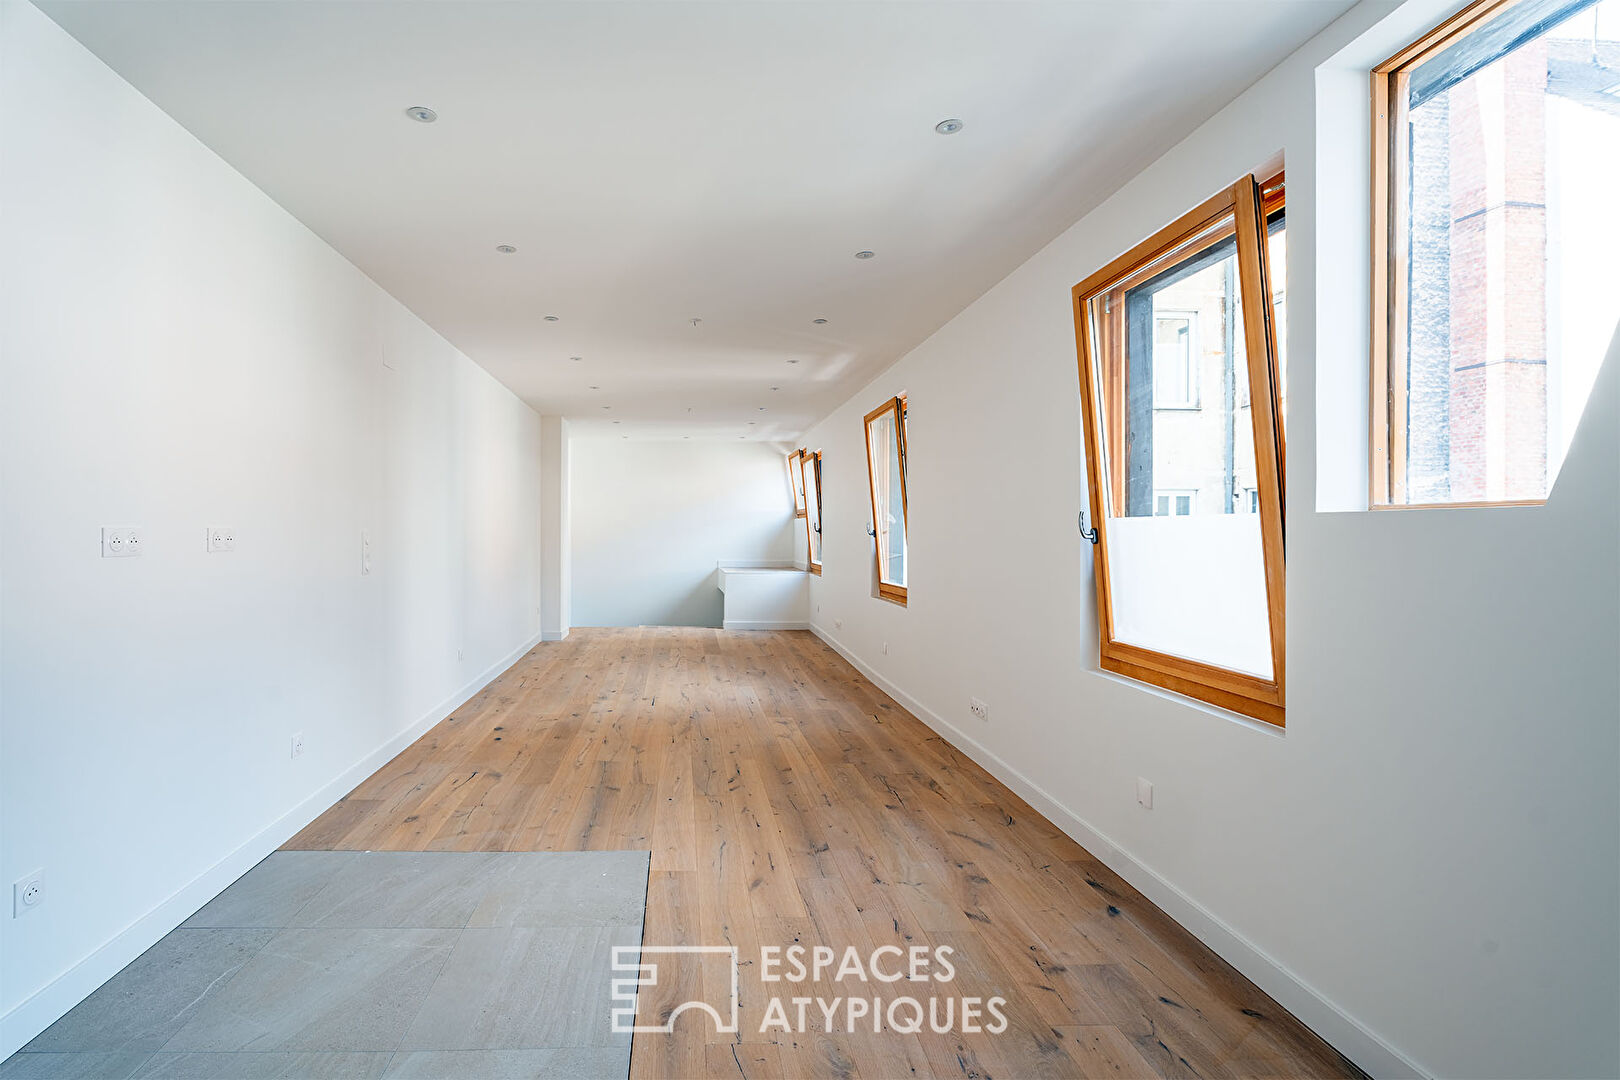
764,597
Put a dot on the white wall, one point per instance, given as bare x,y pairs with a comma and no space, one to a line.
652,518
177,353
1424,867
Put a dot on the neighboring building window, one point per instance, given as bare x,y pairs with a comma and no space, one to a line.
1173,503
1496,289
1195,606
1175,356
810,479
886,477
795,462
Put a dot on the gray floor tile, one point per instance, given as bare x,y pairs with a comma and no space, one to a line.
574,1063
524,988
91,1065
573,888
279,1065
322,990
397,890
272,892
142,1006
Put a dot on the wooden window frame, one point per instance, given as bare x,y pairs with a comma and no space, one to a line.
796,469
897,405
810,469
1249,205
1386,485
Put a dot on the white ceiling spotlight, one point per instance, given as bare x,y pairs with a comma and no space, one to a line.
551,318
819,322
948,127
506,249
576,359
421,114
865,254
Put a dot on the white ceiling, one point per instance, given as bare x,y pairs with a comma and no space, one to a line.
659,162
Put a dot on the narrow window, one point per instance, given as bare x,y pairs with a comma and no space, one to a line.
886,476
1496,291
795,462
810,481
1183,394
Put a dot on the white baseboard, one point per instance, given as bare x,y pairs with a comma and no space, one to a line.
50,1002
1341,1030
764,624
553,635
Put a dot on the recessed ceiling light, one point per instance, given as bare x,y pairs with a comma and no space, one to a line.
551,318
776,388
596,388
751,423
793,361
576,359
686,436
948,127
819,322
506,249
618,421
607,406
762,408
696,321
865,254
421,114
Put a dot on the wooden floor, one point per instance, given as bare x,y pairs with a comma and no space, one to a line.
785,800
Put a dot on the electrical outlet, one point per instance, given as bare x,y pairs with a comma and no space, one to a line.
365,552
885,648
461,654
838,624
120,543
1144,793
298,745
27,893
978,708
221,539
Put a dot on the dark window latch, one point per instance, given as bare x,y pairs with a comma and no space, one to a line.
1085,533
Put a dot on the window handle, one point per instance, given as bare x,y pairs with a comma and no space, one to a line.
1085,533
816,526
871,532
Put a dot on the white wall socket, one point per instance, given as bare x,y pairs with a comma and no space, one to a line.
885,648
221,539
1144,793
120,543
298,745
365,552
838,624
978,708
27,893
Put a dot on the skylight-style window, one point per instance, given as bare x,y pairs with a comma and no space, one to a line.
810,480
1186,472
795,463
1496,290
886,477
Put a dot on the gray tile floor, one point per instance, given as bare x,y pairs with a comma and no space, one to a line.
372,964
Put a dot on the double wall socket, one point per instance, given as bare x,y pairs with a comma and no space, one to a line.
221,539
120,543
978,708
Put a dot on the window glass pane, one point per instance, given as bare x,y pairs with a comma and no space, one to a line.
1513,286
888,497
1186,567
812,506
796,474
